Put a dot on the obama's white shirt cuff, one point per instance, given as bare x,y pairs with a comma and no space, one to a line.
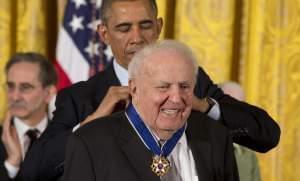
215,112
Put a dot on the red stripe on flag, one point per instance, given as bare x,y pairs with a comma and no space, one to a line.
63,79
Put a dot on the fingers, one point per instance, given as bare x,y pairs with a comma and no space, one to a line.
11,141
7,121
14,134
118,93
114,95
199,104
6,127
9,134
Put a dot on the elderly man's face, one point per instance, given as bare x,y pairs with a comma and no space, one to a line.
130,26
163,92
26,95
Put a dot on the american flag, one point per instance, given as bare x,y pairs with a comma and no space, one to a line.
79,52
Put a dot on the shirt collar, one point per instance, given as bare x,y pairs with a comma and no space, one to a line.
121,72
22,128
183,141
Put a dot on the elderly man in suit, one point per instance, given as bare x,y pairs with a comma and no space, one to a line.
30,86
127,26
157,137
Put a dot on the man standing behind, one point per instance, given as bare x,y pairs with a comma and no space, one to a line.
157,137
246,159
30,85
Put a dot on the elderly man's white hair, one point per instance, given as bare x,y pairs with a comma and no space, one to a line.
138,59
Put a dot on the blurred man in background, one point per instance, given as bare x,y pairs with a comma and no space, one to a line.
30,85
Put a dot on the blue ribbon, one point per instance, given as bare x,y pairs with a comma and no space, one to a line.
148,138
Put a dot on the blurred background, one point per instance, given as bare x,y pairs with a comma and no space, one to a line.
255,43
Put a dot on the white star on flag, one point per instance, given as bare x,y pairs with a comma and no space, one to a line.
97,2
78,3
76,23
108,52
92,49
94,24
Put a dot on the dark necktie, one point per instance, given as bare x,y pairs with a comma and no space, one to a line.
32,135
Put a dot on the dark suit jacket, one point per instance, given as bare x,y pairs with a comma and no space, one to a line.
110,149
248,125
3,156
3,171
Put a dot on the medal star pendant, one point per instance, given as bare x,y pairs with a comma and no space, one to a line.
160,165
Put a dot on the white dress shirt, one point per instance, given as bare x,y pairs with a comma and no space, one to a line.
121,72
22,128
184,160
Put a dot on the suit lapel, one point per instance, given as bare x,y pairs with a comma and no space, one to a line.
201,147
202,155
140,158
108,78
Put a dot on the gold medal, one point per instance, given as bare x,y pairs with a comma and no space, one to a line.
160,165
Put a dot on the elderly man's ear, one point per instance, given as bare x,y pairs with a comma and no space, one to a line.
132,90
132,86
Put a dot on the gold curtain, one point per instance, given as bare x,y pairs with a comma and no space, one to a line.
271,76
257,44
30,26
25,26
162,4
5,48
206,26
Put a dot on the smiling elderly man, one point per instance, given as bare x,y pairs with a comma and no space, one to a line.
156,137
